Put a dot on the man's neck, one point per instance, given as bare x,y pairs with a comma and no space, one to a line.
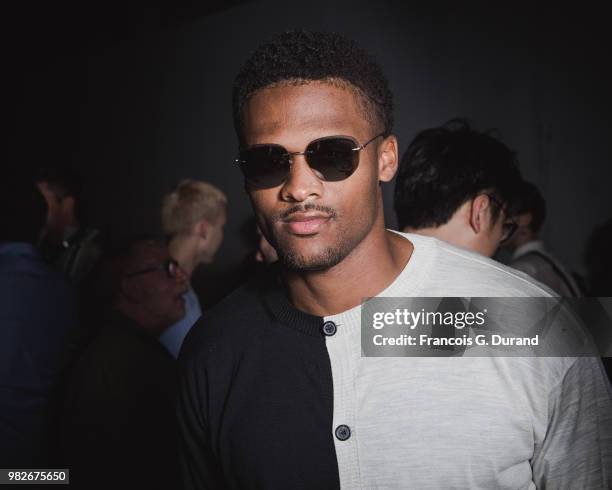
369,269
184,249
447,232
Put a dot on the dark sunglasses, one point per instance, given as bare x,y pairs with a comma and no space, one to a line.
334,158
509,227
169,266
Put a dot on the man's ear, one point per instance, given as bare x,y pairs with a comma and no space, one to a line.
388,159
202,229
480,213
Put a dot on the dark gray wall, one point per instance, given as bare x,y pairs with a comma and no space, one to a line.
157,110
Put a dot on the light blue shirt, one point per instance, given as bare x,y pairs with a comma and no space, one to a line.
172,338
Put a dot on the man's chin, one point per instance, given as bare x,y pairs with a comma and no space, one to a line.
301,262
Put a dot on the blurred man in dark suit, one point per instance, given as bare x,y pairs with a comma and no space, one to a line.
119,423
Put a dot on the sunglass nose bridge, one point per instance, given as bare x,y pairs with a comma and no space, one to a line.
291,154
307,165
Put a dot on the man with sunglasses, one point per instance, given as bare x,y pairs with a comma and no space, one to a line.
457,185
119,422
274,392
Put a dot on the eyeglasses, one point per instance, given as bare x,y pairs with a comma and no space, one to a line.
334,158
509,227
170,267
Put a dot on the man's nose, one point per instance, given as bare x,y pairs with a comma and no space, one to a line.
302,182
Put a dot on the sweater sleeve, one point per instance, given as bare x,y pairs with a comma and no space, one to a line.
199,466
577,449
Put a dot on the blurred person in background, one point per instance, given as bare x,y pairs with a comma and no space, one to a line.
457,185
193,217
598,258
71,247
38,311
529,253
118,421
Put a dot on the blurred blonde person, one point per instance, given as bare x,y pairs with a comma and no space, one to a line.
193,217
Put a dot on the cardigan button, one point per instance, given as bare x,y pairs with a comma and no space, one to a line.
329,328
343,432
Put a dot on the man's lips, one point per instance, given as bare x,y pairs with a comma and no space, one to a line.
305,223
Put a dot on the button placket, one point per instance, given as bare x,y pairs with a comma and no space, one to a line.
344,350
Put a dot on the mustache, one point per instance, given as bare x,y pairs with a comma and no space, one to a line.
304,208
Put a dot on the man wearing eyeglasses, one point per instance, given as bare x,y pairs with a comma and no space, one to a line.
119,420
530,254
457,184
274,392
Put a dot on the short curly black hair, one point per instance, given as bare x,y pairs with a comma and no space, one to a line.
303,56
444,167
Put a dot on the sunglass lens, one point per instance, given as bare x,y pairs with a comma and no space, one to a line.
264,166
333,158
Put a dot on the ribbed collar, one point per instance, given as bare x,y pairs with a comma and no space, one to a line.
407,283
276,301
